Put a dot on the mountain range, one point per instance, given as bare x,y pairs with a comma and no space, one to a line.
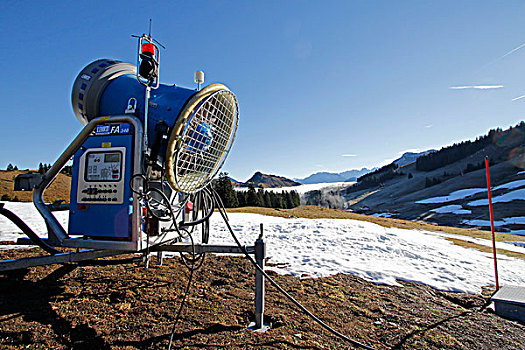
345,176
268,181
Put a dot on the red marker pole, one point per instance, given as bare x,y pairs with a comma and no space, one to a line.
492,223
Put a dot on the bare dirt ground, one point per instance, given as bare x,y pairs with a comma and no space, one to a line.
123,306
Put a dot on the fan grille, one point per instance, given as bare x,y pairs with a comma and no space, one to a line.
205,141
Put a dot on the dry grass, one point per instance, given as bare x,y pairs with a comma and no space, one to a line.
313,212
58,190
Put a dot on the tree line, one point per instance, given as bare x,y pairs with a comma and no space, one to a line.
43,168
458,151
376,177
254,197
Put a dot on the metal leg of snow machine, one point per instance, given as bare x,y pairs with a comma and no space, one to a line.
259,250
260,255
61,258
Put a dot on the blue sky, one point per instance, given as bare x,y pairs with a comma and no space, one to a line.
322,86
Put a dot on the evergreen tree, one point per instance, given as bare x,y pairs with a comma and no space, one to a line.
241,198
296,198
10,167
260,194
288,200
267,199
252,198
224,188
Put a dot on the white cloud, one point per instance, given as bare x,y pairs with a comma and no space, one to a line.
480,87
518,98
512,51
429,126
348,155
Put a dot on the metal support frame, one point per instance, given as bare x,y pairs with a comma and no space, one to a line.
57,235
259,250
59,238
62,258
260,254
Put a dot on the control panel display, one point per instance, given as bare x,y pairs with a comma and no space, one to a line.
103,176
103,166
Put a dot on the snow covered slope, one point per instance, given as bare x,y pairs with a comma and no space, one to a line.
321,247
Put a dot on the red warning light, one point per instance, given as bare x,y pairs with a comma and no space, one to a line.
189,207
148,48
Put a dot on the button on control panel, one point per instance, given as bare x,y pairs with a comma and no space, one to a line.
101,176
100,193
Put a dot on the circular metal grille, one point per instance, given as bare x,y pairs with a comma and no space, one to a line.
204,141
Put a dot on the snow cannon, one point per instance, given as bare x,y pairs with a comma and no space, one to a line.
141,168
188,132
146,153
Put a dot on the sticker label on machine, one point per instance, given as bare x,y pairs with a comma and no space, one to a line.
100,178
112,129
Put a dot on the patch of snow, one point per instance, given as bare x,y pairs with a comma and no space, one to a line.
453,209
517,232
28,213
510,246
382,215
516,220
453,196
322,247
510,185
507,197
478,222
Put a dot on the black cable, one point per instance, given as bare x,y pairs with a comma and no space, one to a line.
187,291
179,312
286,294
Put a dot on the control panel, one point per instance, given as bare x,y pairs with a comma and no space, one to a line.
100,177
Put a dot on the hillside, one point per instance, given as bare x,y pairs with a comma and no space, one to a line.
455,176
269,181
59,189
409,157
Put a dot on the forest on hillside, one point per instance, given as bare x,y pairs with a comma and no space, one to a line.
457,151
